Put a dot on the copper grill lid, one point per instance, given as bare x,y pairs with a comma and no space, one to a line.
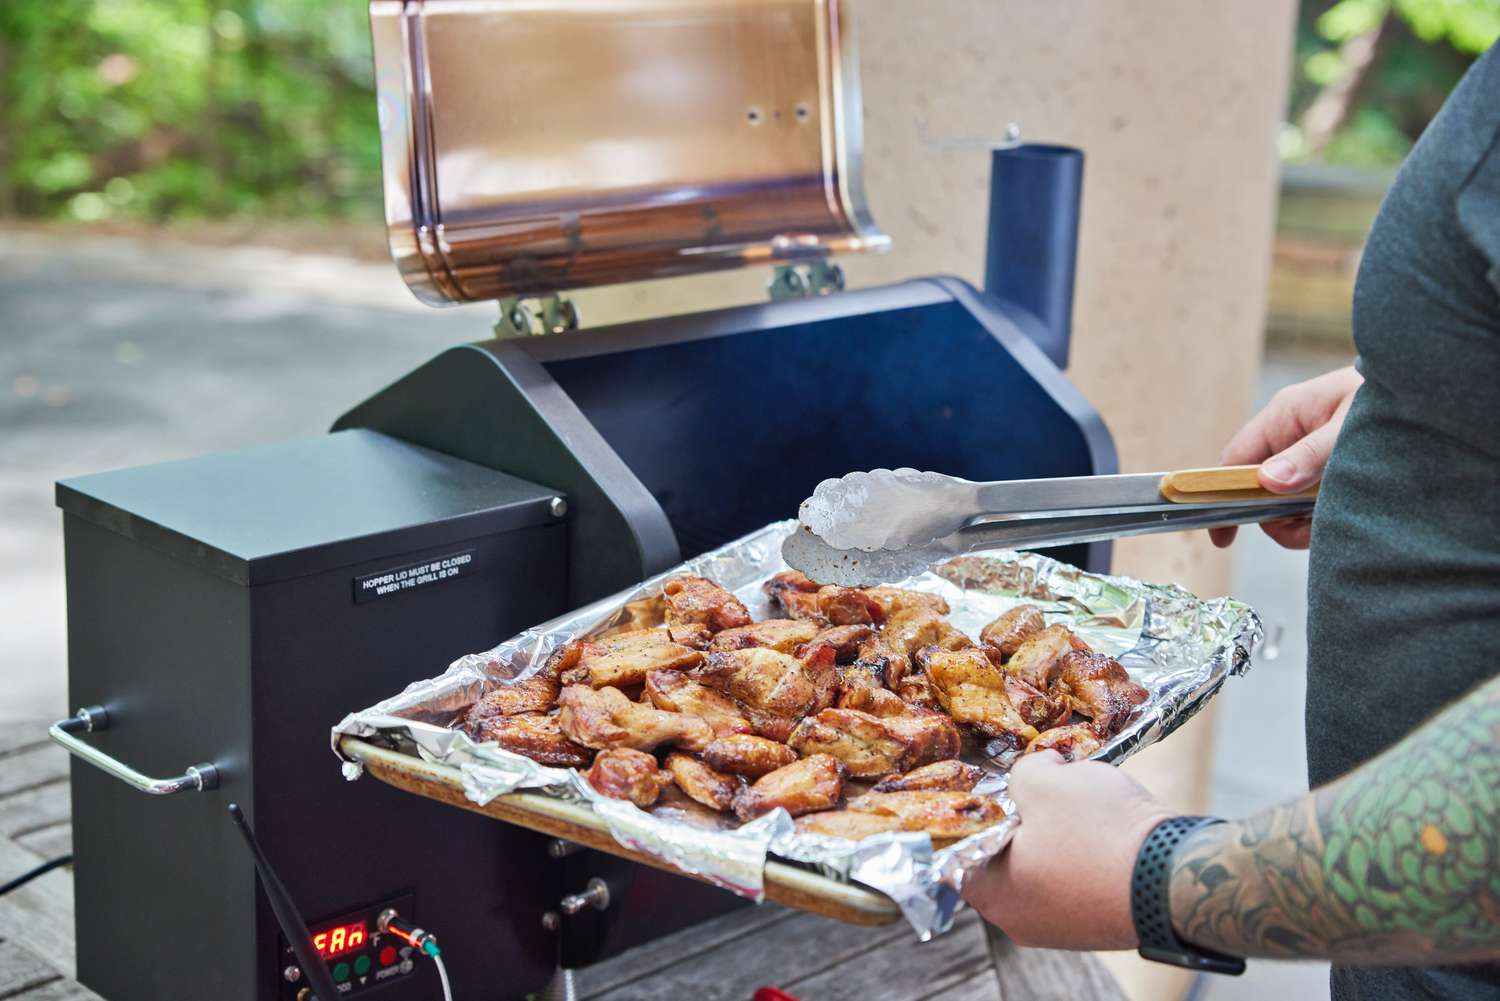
534,146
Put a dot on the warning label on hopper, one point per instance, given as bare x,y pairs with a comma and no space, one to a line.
409,578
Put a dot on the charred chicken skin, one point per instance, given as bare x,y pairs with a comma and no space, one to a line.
673,691
1042,710
806,786
827,606
870,746
604,718
700,600
622,660
714,790
534,735
1101,689
536,694
1074,742
972,690
772,689
624,773
1010,630
845,641
781,635
940,776
748,755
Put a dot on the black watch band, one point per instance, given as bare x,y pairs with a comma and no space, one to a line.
1150,901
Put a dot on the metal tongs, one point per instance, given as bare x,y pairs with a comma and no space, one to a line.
887,525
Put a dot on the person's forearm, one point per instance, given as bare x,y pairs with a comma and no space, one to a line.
1396,863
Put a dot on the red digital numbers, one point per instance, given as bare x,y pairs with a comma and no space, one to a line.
340,939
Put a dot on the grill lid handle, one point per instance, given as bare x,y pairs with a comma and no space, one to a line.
91,719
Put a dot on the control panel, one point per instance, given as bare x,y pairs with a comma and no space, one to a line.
358,954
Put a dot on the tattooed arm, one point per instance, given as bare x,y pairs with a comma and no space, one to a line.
1395,863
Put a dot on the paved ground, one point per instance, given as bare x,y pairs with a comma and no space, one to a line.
114,355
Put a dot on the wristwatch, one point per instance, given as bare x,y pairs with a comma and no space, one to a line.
1150,901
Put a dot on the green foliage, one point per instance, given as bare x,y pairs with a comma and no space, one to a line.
174,108
1424,48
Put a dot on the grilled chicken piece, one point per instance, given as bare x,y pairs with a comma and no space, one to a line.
536,694
898,599
870,746
691,634
1010,630
911,629
673,691
698,599
847,824
1037,660
773,690
534,735
943,815
972,690
745,754
845,641
1101,689
605,718
714,790
887,660
621,660
871,699
806,786
832,605
623,773
781,635
946,776
1042,710
1074,743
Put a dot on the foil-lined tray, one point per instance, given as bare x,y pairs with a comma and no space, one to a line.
1180,647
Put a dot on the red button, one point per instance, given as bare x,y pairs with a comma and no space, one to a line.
387,956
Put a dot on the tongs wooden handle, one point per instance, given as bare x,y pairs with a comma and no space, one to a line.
1216,484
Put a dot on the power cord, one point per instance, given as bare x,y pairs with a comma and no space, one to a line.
40,870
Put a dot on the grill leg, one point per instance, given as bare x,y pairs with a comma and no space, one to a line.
561,987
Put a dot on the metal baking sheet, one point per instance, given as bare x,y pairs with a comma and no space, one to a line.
1180,647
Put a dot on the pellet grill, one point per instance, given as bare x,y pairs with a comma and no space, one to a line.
224,611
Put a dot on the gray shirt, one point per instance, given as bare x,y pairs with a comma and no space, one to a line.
1404,589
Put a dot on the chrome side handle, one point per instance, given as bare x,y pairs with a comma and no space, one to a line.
91,719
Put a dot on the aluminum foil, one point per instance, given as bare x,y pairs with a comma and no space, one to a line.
1181,648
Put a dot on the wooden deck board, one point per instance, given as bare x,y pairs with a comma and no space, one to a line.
722,960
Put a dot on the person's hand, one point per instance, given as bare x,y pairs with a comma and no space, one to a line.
1291,439
1064,881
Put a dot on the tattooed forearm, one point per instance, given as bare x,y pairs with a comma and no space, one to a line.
1394,863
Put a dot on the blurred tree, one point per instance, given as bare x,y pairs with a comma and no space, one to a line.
1372,73
172,108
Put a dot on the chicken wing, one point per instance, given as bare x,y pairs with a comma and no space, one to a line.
773,690
832,605
691,634
621,660
869,698
536,694
748,755
623,773
916,690
910,629
781,635
870,746
1037,660
845,641
700,600
972,690
534,735
1075,742
943,815
714,790
946,776
847,824
605,718
1101,689
673,691
898,599
1010,630
806,786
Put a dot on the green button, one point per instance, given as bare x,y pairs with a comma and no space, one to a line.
362,965
341,973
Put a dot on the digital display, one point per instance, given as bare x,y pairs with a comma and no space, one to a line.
339,939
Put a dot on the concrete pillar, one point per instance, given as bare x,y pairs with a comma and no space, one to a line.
1176,103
